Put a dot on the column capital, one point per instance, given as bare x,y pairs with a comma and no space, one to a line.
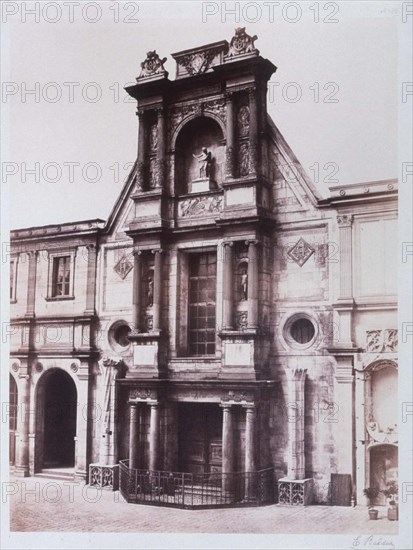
25,377
153,404
250,407
137,252
229,96
140,113
158,251
296,374
254,242
252,91
160,111
32,253
226,405
90,247
227,243
345,220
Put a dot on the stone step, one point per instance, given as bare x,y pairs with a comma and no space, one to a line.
68,474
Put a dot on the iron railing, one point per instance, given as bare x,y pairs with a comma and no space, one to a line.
185,490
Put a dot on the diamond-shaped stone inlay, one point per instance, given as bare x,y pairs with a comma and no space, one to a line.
123,266
300,252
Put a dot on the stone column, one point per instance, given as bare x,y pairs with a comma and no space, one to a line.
140,168
137,278
31,287
253,131
295,417
157,290
227,299
133,434
250,441
252,284
81,438
227,446
345,301
229,161
161,148
23,417
346,256
91,280
344,379
154,438
250,438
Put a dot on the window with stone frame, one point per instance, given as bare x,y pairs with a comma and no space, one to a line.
13,273
61,275
202,275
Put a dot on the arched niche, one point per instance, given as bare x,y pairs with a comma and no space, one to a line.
200,132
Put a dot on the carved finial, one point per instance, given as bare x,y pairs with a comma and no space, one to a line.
242,43
153,65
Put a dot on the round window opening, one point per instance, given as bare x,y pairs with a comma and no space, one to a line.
302,331
120,335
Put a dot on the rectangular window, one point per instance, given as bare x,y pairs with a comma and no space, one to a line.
12,269
61,276
13,279
202,298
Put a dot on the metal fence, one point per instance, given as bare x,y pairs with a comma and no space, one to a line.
185,490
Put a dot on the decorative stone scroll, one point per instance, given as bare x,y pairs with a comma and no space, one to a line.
379,341
242,43
300,252
199,206
153,65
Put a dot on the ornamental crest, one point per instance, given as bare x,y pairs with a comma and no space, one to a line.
198,62
300,252
152,65
242,43
123,267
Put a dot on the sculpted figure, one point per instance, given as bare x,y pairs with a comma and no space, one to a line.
204,159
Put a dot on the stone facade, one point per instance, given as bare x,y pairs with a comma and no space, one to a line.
225,318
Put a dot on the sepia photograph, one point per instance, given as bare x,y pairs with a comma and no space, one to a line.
206,273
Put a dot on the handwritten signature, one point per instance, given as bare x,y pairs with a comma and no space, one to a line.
372,541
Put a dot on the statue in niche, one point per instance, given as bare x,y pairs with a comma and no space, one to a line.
244,284
153,137
150,290
204,159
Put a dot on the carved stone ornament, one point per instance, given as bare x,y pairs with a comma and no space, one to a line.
199,206
153,137
244,160
140,393
236,396
198,62
345,220
388,434
300,252
15,367
243,120
153,173
124,266
74,367
242,43
379,341
153,65
242,320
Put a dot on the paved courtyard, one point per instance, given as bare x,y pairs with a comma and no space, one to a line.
40,504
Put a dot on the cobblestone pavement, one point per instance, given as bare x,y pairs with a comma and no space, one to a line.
41,504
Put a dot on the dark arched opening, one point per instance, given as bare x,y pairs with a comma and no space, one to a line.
60,403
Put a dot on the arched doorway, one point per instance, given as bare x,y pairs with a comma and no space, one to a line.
383,468
59,420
